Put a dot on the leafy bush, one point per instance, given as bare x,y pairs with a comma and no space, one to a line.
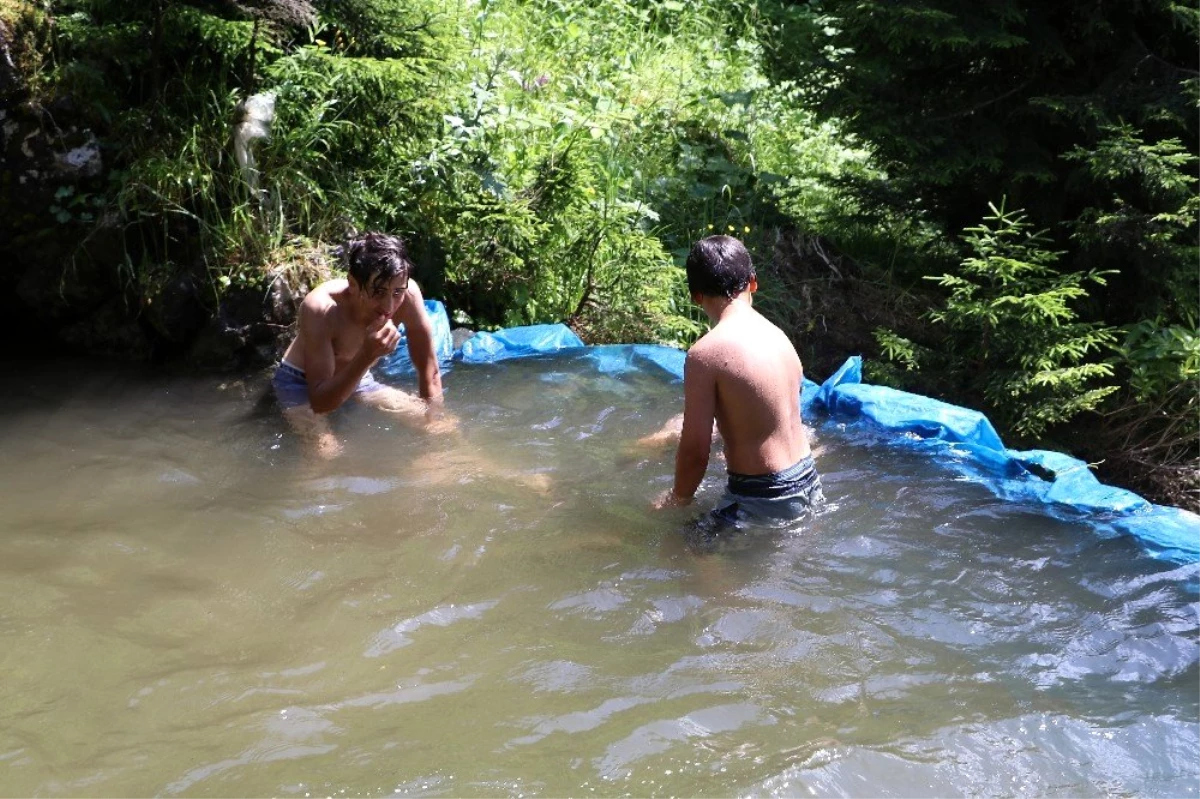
556,182
1012,338
164,84
550,161
1017,332
1160,358
1143,219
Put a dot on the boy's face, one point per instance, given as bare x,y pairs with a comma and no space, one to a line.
382,299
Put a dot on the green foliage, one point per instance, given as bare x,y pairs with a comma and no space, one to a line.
29,40
549,161
1082,113
1013,331
959,103
898,350
340,121
557,181
163,83
900,363
1144,221
956,95
1160,357
384,29
71,205
557,249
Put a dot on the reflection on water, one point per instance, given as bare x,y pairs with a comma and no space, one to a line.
188,606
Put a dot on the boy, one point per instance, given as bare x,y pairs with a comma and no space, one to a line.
345,326
743,374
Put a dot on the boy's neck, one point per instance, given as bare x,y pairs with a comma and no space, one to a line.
721,308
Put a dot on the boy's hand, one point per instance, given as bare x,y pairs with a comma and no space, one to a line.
669,499
438,420
381,339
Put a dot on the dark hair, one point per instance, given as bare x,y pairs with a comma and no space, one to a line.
719,266
375,259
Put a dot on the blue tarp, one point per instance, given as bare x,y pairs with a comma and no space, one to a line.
965,439
399,362
1069,487
518,342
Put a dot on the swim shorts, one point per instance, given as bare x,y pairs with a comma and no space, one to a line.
291,387
768,500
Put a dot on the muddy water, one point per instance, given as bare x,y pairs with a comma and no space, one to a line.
189,606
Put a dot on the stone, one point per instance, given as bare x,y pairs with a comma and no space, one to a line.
12,82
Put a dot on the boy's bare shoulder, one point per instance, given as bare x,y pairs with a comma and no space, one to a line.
713,356
321,299
705,348
319,311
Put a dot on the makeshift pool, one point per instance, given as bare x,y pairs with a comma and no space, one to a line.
192,608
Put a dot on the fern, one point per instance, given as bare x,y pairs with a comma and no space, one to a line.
1015,332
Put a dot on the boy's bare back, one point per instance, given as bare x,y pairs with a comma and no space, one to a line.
752,373
744,377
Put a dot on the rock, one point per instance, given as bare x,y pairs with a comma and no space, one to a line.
62,264
459,335
219,345
12,82
252,327
82,161
107,330
282,302
175,314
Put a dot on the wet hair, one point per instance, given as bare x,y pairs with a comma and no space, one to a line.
375,259
719,266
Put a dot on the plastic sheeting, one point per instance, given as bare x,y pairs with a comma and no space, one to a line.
518,342
400,362
968,443
963,439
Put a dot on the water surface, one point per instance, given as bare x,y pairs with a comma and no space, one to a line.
189,606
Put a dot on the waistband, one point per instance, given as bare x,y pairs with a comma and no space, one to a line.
294,371
791,480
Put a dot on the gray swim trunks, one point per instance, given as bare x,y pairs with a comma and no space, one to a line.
291,387
768,500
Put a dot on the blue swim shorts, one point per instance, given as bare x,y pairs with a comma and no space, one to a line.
291,387
761,500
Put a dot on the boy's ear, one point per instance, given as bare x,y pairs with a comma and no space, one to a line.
696,298
753,287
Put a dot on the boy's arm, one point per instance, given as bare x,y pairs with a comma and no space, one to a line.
664,435
329,387
421,348
695,440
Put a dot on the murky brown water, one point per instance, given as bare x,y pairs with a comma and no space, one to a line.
189,607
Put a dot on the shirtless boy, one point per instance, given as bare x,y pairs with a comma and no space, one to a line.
345,326
743,374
